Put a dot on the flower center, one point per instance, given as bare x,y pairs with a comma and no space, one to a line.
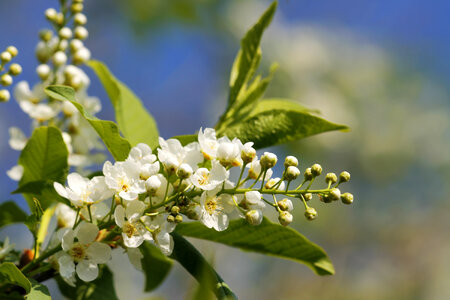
203,179
124,186
129,229
78,252
211,205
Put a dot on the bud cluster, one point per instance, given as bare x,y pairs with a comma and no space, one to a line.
7,73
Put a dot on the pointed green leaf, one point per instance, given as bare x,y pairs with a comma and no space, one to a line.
277,122
11,213
44,158
155,264
135,122
267,238
197,266
10,274
107,130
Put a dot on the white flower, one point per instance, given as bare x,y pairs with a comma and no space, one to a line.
123,178
208,143
134,232
29,102
172,154
82,191
160,232
83,255
17,139
215,210
255,170
208,180
229,152
65,216
15,173
143,156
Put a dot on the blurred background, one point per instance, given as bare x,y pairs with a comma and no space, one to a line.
380,67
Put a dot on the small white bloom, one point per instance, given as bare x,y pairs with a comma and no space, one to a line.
255,170
82,191
83,255
82,55
15,173
134,232
65,216
17,139
208,180
215,209
229,152
172,154
43,71
123,178
143,156
160,233
59,58
208,143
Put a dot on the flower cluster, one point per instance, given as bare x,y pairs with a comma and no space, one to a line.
145,196
6,77
60,52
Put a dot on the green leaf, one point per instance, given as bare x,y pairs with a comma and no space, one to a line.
10,274
38,291
192,260
44,158
155,265
250,55
267,238
101,288
186,139
107,130
11,213
134,121
277,121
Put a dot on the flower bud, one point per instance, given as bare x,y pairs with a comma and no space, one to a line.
6,80
272,182
307,196
82,55
308,174
248,153
347,198
45,35
316,170
152,184
178,219
4,95
175,210
80,19
310,213
76,45
291,173
193,211
12,50
254,217
59,58
170,219
59,18
285,218
81,33
325,198
184,171
5,57
65,33
268,160
68,109
344,177
76,7
335,194
51,14
43,71
285,205
331,178
15,69
290,161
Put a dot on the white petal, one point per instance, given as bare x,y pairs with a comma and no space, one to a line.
86,232
87,270
222,222
99,253
61,190
17,139
67,240
134,209
15,173
129,196
119,215
66,266
132,242
76,182
135,256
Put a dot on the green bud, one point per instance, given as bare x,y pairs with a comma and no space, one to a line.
285,204
316,170
344,177
76,7
178,219
290,161
170,219
6,80
5,57
184,171
4,95
45,35
310,213
335,194
254,217
325,198
285,218
347,198
15,69
12,50
308,174
307,196
175,210
268,160
291,173
331,178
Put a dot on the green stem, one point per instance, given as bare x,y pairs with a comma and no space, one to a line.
41,258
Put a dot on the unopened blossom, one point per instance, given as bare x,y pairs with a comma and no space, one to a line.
252,200
123,178
274,183
83,191
81,253
128,219
209,179
158,187
208,143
